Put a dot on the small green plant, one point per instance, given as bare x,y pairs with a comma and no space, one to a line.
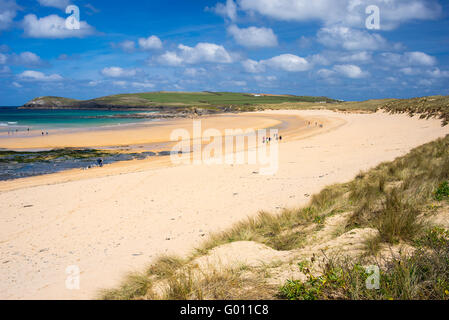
442,192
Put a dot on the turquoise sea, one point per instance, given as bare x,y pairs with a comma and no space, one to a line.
13,118
14,165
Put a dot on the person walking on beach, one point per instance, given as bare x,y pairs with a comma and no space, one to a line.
100,162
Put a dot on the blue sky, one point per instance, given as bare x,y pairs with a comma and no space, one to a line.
302,47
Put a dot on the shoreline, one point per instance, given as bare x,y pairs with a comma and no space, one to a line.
290,133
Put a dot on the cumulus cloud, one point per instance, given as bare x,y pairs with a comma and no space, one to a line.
117,72
344,12
253,66
23,59
227,10
150,43
8,11
202,52
253,37
288,62
407,59
53,27
350,71
27,59
31,75
325,73
60,4
351,39
284,62
363,57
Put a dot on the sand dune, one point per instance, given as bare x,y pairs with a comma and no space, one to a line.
109,222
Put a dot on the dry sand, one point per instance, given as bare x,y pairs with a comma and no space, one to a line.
112,221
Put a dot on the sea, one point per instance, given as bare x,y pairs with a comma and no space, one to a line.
13,118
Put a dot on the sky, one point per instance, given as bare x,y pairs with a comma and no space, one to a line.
343,49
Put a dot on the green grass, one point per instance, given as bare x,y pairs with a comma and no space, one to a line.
424,275
442,193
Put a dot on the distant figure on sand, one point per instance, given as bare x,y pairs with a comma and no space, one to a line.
100,162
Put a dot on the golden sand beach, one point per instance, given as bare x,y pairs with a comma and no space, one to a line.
113,220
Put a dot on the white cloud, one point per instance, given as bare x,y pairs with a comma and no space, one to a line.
17,85
319,59
351,39
253,66
288,62
61,4
363,56
437,73
350,71
202,52
23,59
8,11
31,75
325,73
53,27
27,59
284,62
344,12
227,10
406,59
170,58
253,37
150,43
117,72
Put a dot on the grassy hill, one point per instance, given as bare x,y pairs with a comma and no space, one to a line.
208,100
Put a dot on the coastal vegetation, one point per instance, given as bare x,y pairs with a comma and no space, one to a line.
175,101
395,206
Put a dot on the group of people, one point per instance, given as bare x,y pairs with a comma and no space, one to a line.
276,137
28,131
316,124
